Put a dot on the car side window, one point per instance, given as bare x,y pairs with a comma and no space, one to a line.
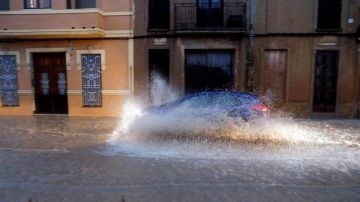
227,100
199,101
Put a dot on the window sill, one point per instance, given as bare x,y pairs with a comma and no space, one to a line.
41,9
158,30
9,106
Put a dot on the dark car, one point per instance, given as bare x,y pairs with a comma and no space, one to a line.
233,104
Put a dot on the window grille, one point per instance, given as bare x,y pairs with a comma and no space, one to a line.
91,79
8,81
37,4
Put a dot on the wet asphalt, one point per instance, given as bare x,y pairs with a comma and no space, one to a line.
58,158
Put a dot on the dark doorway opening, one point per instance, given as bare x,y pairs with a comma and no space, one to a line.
159,63
208,70
210,13
50,83
326,69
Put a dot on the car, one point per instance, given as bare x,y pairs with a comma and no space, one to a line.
233,104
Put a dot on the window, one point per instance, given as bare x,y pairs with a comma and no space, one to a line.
69,4
329,14
159,14
199,101
209,3
4,5
208,70
91,79
37,4
85,3
8,81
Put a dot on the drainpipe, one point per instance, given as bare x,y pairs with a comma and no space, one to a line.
250,53
251,30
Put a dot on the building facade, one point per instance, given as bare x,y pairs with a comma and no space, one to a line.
65,57
303,55
84,57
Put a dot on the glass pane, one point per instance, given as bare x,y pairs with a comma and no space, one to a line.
8,80
200,101
32,4
215,3
45,3
227,100
85,3
4,5
91,81
203,3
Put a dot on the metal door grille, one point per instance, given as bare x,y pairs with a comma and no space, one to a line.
8,81
91,79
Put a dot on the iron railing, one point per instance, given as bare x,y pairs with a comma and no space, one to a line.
190,16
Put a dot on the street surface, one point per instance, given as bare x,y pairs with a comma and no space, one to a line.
56,158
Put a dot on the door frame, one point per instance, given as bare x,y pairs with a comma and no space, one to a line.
30,66
312,87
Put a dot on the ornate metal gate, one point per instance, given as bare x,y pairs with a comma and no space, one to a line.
91,79
8,81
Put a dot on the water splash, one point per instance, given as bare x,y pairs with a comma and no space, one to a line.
160,91
182,132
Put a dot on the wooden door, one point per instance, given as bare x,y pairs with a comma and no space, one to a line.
50,83
326,68
275,74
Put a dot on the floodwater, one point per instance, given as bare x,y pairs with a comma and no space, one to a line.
49,158
178,157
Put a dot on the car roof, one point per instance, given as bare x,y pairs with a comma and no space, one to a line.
243,94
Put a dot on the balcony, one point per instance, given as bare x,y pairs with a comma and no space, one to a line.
69,23
225,16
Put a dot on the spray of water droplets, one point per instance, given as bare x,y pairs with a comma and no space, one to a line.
183,131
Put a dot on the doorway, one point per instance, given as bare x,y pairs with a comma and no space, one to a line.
159,63
50,83
326,69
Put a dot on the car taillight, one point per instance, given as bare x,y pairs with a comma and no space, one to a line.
260,107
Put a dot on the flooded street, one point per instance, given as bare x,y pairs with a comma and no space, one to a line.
55,158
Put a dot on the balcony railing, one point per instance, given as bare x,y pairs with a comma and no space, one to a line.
229,15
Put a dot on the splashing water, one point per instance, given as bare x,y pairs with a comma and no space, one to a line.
182,132
160,91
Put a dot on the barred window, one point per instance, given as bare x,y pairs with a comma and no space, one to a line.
91,79
8,81
37,4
